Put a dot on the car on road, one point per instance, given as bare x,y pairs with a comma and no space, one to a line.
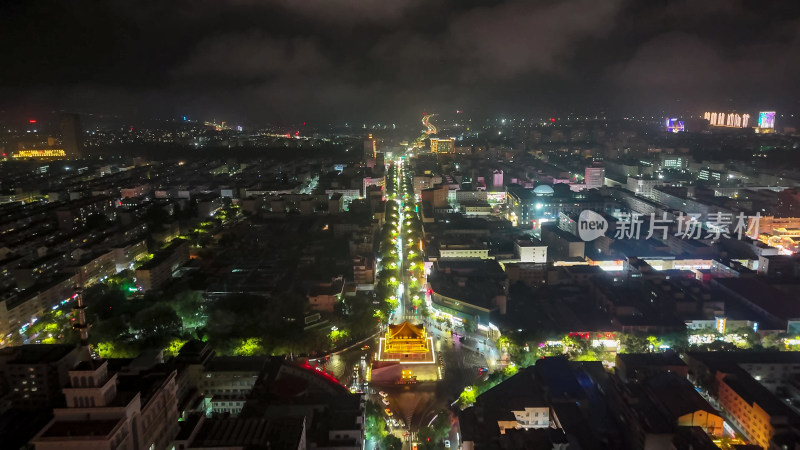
388,412
446,443
365,347
383,394
385,402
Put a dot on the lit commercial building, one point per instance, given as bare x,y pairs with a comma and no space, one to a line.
534,207
766,122
710,175
728,120
452,248
643,187
43,154
370,149
443,145
467,290
594,177
497,179
674,162
674,126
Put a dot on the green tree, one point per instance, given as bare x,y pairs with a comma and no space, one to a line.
113,329
103,302
431,437
157,321
392,442
747,338
632,343
775,341
653,343
468,396
249,347
190,307
470,326
376,425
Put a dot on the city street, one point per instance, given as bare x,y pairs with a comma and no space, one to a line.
463,357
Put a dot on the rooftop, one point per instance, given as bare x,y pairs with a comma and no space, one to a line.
237,364
763,295
650,359
99,429
406,330
38,353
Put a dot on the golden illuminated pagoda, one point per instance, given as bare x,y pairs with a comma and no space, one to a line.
406,338
405,355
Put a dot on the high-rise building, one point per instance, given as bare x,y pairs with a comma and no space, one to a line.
594,177
71,135
370,148
497,178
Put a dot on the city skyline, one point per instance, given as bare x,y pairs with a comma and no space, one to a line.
318,61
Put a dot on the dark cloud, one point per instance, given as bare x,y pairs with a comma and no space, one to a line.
252,56
262,60
516,38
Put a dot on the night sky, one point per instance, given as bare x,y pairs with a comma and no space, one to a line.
334,60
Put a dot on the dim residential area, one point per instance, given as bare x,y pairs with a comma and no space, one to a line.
399,225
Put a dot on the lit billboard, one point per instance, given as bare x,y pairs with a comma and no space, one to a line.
766,119
674,125
730,120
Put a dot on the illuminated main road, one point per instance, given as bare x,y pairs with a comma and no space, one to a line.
416,405
403,311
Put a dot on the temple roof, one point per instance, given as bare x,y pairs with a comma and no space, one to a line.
406,330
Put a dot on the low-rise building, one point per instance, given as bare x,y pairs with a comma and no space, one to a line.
323,296
227,381
468,290
158,271
530,251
